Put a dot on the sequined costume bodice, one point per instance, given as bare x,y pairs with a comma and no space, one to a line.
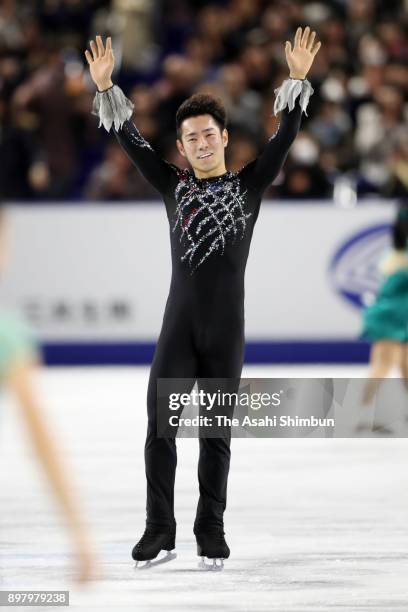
211,220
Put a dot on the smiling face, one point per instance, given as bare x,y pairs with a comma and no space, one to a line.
203,144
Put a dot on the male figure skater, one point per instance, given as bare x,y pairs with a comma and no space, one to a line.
211,212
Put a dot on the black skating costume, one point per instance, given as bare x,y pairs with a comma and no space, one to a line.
211,222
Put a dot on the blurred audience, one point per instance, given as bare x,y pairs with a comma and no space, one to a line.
50,144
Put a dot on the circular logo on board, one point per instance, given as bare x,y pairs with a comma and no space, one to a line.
354,268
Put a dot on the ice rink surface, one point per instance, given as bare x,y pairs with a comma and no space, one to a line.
313,524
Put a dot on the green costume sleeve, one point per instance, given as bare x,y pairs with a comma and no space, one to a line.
16,342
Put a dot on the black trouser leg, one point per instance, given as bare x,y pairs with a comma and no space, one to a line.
215,453
174,358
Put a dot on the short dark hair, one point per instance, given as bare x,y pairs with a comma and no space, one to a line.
201,104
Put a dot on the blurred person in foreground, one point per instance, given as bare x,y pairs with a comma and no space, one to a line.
385,323
212,213
19,359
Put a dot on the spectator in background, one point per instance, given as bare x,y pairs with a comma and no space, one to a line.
243,105
241,150
232,47
115,179
44,95
17,151
303,178
303,182
397,183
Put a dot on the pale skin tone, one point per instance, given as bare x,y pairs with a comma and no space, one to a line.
385,354
20,380
201,141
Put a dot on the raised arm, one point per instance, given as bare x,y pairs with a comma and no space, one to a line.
114,110
262,171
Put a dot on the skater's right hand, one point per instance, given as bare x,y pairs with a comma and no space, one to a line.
101,62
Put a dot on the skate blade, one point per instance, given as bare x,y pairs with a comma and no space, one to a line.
152,563
383,429
375,428
213,566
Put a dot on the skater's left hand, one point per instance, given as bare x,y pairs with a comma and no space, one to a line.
301,57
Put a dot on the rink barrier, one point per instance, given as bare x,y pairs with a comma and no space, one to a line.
141,353
93,301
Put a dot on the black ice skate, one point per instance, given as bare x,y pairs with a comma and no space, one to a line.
212,544
149,546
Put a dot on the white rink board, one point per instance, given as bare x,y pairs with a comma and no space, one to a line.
86,259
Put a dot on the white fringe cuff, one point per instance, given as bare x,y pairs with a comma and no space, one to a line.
287,93
112,107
